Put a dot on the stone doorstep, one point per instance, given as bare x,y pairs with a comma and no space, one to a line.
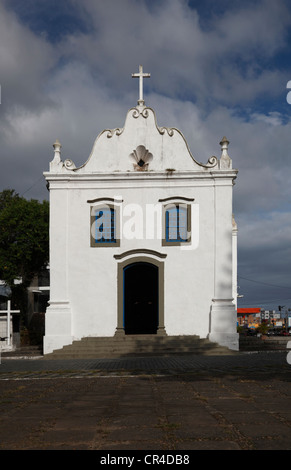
23,351
134,347
137,346
249,343
126,346
124,356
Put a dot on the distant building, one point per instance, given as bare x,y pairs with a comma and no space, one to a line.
250,317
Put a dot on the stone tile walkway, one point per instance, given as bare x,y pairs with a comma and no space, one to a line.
148,404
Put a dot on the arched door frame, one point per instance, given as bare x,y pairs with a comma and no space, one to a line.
120,292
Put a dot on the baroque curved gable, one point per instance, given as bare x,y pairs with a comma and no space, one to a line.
141,145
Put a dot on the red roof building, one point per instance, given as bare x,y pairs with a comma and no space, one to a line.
247,311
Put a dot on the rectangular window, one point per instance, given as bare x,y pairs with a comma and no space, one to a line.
177,224
104,226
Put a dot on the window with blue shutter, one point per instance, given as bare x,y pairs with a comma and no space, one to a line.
105,225
176,224
104,232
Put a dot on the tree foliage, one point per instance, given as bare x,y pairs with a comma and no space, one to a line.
24,237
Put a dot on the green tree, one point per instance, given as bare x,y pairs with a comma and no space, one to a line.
24,239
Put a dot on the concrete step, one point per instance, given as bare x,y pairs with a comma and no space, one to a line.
24,351
254,343
137,346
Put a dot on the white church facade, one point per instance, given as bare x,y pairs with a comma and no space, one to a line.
142,239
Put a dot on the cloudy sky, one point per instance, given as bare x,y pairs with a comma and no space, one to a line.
218,67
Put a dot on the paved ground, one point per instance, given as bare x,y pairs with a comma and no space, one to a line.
240,402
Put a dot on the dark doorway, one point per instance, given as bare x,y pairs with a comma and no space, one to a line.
140,298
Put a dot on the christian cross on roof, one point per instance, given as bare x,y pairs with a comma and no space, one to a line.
141,75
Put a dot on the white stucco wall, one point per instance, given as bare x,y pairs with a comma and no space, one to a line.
197,278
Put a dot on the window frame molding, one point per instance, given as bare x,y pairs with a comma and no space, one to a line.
99,204
171,202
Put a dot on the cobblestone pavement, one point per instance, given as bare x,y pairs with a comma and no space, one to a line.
240,402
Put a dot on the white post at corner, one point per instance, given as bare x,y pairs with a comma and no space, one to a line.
8,321
9,312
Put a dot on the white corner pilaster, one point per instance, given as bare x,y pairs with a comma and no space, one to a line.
58,321
223,323
58,326
223,316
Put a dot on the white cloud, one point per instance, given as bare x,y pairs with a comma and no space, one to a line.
271,232
25,63
200,73
222,63
273,118
253,29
